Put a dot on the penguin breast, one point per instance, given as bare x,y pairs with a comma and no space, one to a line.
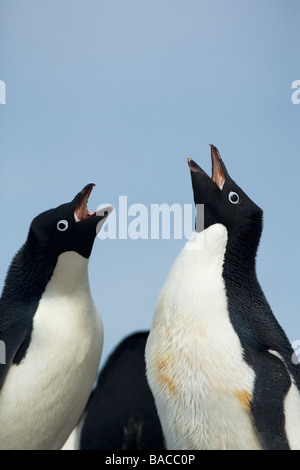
43,397
201,384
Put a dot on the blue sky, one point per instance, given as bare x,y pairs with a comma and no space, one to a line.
121,93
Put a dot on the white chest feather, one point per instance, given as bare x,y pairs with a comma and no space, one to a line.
43,397
201,384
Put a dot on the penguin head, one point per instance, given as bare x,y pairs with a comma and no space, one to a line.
225,202
69,227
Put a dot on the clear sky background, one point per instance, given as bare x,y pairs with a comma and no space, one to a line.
121,93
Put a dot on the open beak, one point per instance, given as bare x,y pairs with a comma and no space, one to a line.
218,174
82,212
195,167
218,167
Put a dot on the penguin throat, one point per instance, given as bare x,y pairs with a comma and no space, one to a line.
82,213
70,273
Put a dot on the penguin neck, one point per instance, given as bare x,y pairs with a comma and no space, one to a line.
240,259
70,273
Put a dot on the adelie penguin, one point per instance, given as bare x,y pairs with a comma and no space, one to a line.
218,363
50,327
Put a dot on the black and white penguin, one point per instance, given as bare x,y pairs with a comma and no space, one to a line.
121,413
50,327
218,363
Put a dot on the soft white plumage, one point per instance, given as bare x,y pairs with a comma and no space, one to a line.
195,367
43,397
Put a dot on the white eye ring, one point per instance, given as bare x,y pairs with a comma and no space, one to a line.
233,197
62,225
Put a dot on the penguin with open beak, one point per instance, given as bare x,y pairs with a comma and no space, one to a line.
218,363
50,327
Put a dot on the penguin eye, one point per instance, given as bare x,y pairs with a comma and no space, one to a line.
62,225
233,197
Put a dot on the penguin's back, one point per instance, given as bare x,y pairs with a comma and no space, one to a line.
121,412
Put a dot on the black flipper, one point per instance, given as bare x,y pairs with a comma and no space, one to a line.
267,406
